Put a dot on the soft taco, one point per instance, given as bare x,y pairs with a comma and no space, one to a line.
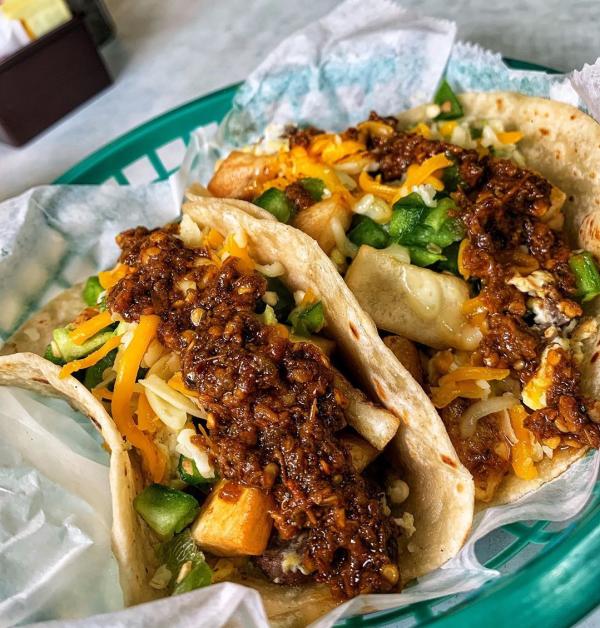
468,229
247,400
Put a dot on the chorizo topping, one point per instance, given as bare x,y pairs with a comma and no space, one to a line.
273,410
455,196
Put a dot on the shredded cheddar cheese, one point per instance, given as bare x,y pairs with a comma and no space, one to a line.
214,239
102,393
176,382
146,419
425,173
474,373
374,186
108,278
127,370
421,129
231,248
91,359
91,327
334,152
443,395
522,451
509,137
376,128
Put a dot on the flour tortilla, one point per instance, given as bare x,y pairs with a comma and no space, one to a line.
563,144
441,490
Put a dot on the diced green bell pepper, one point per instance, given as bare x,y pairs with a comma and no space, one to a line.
315,187
586,274
285,299
276,203
446,99
451,178
188,472
94,374
180,550
307,320
422,257
49,355
451,262
165,509
199,576
437,215
70,351
406,216
367,231
92,290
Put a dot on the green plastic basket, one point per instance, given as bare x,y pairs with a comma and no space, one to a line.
549,570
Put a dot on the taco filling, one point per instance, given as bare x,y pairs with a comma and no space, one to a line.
220,379
449,239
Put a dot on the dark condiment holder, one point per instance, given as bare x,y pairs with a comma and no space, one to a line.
48,78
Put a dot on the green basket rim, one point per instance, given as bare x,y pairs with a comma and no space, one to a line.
535,593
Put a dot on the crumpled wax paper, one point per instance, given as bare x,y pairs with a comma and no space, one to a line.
54,501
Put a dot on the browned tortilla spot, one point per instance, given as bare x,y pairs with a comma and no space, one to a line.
544,131
449,461
354,331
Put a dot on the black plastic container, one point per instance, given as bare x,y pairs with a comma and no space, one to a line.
47,79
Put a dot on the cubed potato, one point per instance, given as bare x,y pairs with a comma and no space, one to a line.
316,220
234,521
241,175
407,354
361,452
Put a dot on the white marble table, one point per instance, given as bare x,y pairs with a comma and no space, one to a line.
170,52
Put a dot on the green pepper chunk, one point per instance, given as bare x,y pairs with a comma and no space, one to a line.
450,264
49,355
182,549
94,374
315,187
285,299
69,351
446,99
367,231
451,178
92,290
422,257
451,231
586,274
307,320
188,472
165,509
437,215
199,576
406,216
276,203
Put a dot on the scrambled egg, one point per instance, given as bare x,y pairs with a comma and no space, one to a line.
534,394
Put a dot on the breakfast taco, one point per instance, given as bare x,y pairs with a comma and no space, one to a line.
467,229
247,401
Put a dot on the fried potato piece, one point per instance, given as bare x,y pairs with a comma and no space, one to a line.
407,354
241,175
316,220
361,452
234,521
